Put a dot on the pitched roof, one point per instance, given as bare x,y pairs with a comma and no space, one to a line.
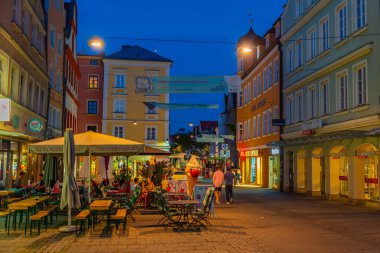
136,53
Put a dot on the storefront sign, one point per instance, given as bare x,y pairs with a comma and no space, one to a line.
371,180
275,151
343,178
35,125
5,109
308,132
250,153
365,154
313,124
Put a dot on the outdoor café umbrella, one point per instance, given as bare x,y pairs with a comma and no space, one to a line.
70,193
50,170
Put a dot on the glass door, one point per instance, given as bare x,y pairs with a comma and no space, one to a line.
253,170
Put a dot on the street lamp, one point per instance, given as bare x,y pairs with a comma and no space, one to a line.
191,124
247,50
96,43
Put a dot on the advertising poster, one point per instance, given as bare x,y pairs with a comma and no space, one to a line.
200,193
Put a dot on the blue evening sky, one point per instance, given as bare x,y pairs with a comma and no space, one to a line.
207,20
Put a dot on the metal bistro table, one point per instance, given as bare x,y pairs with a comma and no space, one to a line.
99,206
185,206
20,207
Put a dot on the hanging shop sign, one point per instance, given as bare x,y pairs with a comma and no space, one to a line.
275,151
35,125
371,180
313,124
343,178
5,109
308,132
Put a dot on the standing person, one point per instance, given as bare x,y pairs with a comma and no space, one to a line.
238,177
229,177
217,181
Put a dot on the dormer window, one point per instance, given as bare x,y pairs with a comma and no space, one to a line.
240,64
258,52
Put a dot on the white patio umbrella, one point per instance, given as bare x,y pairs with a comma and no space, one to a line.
70,193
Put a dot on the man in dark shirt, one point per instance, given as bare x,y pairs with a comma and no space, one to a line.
40,186
229,182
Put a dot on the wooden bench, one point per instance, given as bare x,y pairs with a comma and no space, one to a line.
38,217
82,216
5,214
120,216
50,211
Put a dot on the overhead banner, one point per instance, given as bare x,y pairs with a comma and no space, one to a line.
170,106
187,84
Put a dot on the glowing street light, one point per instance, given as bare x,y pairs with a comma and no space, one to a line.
247,50
96,43
191,124
135,123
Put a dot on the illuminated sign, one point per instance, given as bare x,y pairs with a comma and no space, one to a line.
275,151
5,109
35,125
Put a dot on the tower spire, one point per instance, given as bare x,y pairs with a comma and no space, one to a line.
250,19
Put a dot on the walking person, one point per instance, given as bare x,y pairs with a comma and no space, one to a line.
229,183
217,181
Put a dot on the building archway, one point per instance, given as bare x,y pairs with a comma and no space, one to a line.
338,174
290,165
301,170
318,172
366,163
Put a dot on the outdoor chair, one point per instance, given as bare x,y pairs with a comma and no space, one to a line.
131,205
170,216
199,216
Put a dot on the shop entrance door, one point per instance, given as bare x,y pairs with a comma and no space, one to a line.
291,170
323,175
253,170
271,174
371,185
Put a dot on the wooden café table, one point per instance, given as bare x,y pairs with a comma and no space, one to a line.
20,207
100,206
5,195
184,206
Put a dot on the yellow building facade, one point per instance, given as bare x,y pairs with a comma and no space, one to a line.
124,113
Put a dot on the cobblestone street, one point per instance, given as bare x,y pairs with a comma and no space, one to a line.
258,221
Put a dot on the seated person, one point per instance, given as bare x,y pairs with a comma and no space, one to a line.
135,182
20,181
144,190
123,186
151,187
40,186
164,183
56,188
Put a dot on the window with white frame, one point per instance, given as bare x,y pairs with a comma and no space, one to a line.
151,133
240,64
254,88
265,123
258,85
36,98
30,94
289,110
298,53
312,43
298,8
312,101
52,37
324,34
276,71
14,82
246,99
275,116
249,91
341,21
265,79
240,132
42,102
245,130
118,131
16,11
324,91
269,116
22,88
254,130
119,106
299,106
360,14
120,80
249,129
289,59
240,98
360,81
342,91
258,52
270,73
258,125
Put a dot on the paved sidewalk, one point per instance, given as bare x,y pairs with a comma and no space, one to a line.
259,221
